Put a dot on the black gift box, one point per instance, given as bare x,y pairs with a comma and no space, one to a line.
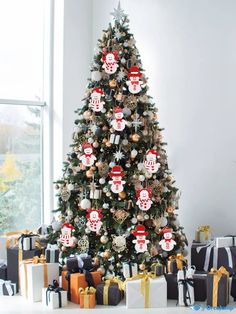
222,291
172,286
13,263
74,266
48,253
115,295
3,272
158,269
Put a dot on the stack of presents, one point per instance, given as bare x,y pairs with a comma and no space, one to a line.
28,267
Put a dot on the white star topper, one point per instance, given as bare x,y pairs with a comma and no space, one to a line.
118,13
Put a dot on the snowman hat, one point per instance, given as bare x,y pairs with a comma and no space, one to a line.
166,230
152,152
140,231
87,145
67,225
116,172
134,71
117,110
149,190
98,90
89,211
115,53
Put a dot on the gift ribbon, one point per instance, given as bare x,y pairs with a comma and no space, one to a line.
54,288
52,248
86,295
8,286
186,282
178,258
107,283
217,274
233,236
13,237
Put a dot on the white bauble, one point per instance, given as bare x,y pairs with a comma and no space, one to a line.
56,225
103,110
87,230
90,140
134,153
104,239
163,222
85,203
111,164
126,111
125,142
140,166
70,186
96,76
102,180
141,178
134,220
105,206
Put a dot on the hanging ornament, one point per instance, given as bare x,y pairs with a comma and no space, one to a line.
94,219
167,243
107,254
56,225
112,83
83,244
66,235
122,195
135,137
65,194
85,203
103,169
118,123
110,61
80,222
95,101
144,196
104,239
114,139
118,155
120,215
119,243
151,163
95,194
134,84
88,158
140,241
133,153
117,183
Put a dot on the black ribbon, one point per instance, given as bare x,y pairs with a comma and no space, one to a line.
130,269
54,288
233,238
67,277
186,282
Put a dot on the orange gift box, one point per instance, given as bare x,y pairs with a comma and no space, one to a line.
77,281
87,297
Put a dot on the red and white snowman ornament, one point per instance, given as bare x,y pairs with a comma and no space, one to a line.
134,84
144,197
140,242
88,158
96,102
110,60
66,235
94,219
118,123
151,164
167,243
117,183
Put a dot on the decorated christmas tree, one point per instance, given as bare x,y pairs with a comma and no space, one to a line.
116,199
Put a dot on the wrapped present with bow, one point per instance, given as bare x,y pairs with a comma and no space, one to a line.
7,287
27,241
186,286
9,240
72,282
157,268
218,287
52,253
175,263
78,263
130,269
110,292
36,274
54,297
146,291
203,234
226,241
87,297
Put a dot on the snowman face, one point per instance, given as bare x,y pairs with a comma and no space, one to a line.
119,115
141,237
110,58
117,178
144,195
94,215
134,78
88,150
66,231
151,157
168,235
96,96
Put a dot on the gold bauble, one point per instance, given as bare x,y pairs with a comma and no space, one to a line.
107,254
108,144
170,209
112,83
87,115
93,168
135,137
169,178
89,173
96,261
119,97
95,144
104,140
105,128
122,195
142,267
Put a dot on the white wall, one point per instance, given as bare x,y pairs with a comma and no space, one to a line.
188,49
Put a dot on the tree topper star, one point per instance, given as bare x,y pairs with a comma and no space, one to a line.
118,13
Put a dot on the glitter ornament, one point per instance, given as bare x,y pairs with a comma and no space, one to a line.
85,203
65,194
119,243
104,239
83,244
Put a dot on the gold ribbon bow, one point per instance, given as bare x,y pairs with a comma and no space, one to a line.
12,237
178,258
86,293
217,274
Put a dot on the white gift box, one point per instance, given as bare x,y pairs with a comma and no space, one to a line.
50,299
35,277
7,288
182,275
158,293
28,243
225,241
130,269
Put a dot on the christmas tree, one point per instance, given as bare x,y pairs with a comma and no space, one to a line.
117,199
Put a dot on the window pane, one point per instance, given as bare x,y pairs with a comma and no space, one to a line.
20,167
21,53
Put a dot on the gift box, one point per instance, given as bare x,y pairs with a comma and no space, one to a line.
36,274
3,270
52,253
72,282
146,292
157,268
14,256
110,292
172,286
8,240
232,287
130,269
185,286
7,288
27,241
87,297
225,241
203,234
175,263
77,263
54,297
218,287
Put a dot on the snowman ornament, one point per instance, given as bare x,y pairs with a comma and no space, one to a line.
117,183
94,219
96,102
151,164
144,196
110,62
88,158
134,84
118,123
167,244
140,241
66,235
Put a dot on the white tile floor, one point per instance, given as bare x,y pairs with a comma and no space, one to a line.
18,305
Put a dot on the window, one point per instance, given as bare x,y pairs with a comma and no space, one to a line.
23,62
